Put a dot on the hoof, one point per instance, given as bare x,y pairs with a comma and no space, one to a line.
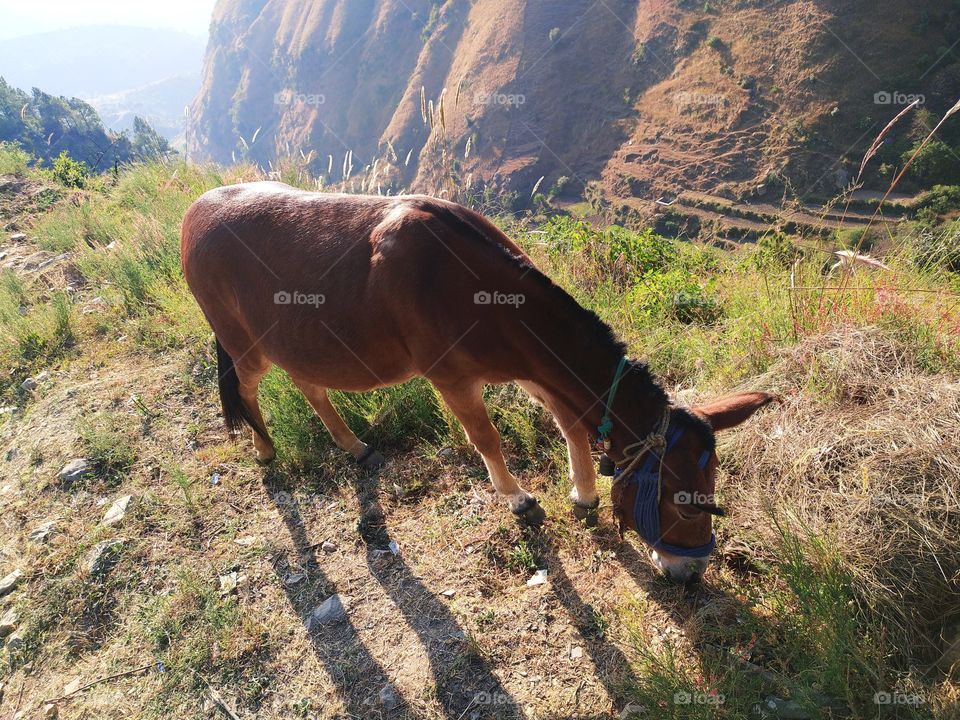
530,513
371,459
587,513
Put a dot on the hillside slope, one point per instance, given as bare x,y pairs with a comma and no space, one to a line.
648,97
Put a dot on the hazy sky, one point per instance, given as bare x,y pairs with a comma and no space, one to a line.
20,17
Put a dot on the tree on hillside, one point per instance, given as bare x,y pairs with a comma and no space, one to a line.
147,142
45,126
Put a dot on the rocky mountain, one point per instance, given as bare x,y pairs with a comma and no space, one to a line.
732,97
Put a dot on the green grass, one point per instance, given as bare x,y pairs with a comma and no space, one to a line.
702,317
195,634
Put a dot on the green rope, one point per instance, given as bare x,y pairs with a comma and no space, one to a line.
606,424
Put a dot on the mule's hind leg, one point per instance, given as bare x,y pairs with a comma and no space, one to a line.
250,371
342,435
466,402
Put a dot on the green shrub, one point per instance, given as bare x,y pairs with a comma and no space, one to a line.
13,160
935,164
69,172
621,254
775,251
939,248
942,199
675,294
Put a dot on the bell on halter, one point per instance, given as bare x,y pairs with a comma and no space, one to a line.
606,465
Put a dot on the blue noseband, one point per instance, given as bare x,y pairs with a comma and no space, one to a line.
646,509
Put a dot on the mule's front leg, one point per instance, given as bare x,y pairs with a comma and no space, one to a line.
466,402
583,475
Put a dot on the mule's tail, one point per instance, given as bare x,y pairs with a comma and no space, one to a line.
235,411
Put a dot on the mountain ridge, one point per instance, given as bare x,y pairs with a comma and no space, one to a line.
638,98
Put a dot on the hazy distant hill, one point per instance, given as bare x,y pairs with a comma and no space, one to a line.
119,70
161,102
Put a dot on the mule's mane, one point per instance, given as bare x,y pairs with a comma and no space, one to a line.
601,334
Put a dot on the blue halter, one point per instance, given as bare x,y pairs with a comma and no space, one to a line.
646,509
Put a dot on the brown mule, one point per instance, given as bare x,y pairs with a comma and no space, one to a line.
353,293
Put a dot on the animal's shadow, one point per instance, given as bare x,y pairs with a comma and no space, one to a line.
466,686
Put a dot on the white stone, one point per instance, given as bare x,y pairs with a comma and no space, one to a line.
538,578
117,511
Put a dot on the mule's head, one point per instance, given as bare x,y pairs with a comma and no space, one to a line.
669,500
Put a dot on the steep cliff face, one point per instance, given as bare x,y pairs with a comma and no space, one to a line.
645,97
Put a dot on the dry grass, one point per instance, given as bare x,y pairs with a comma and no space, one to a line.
864,454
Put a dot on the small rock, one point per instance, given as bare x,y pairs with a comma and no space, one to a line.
50,711
15,641
8,623
116,512
328,547
245,541
28,384
215,479
18,237
445,454
43,376
576,653
785,709
388,698
449,593
75,470
539,578
294,579
94,305
10,582
71,687
3,256
102,557
42,532
230,581
394,547
330,611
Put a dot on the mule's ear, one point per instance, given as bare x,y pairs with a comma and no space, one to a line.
730,411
